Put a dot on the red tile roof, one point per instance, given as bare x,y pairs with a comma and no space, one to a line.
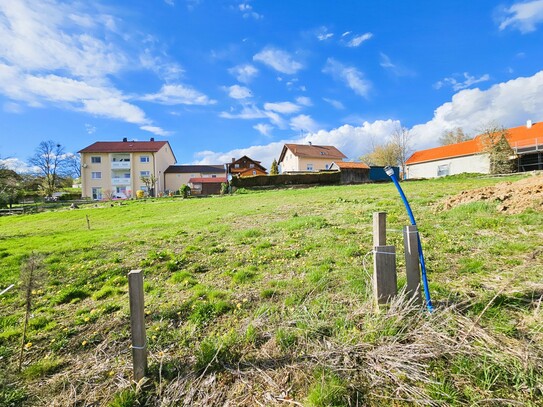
312,151
124,147
349,165
521,136
207,180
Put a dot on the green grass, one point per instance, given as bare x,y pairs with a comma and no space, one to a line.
272,287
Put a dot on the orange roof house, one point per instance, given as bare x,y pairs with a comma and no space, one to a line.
308,157
246,167
469,156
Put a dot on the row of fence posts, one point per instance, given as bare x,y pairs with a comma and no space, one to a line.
385,280
385,284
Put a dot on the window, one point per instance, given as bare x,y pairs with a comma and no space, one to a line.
97,193
327,167
251,166
309,167
143,174
96,160
96,175
213,175
236,165
442,170
254,172
144,159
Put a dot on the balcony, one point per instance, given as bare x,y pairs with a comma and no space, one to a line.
120,165
120,181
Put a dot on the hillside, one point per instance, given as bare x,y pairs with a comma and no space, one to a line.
264,298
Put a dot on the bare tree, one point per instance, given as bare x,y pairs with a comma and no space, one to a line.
50,161
150,182
401,139
453,137
73,165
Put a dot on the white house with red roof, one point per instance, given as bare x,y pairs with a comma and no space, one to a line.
469,156
115,168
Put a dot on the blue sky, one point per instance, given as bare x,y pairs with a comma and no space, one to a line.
223,78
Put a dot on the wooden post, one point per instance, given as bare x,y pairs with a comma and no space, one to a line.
412,266
88,221
385,285
137,324
379,228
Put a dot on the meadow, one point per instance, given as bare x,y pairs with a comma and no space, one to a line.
264,298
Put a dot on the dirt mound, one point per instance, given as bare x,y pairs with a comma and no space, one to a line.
512,197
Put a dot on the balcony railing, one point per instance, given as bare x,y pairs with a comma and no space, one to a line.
120,181
120,165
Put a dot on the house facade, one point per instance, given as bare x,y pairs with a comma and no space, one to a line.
245,167
308,158
470,156
177,175
112,169
206,186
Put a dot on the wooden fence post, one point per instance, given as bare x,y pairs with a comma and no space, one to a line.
385,284
379,228
412,267
137,324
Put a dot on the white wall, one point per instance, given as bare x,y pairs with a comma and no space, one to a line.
478,163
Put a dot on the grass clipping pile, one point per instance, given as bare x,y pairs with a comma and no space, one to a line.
513,197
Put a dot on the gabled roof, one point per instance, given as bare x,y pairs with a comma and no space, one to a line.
350,165
207,180
521,136
312,151
232,168
125,147
191,169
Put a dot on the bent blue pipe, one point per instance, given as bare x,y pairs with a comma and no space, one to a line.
390,173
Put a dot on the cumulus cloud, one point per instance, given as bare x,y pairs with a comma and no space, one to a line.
304,101
248,12
18,165
155,130
239,92
304,122
244,73
349,75
509,104
468,81
279,60
350,140
178,95
523,16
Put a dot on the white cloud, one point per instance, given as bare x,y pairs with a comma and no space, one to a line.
351,76
359,39
279,60
282,107
239,92
244,73
304,122
248,112
178,95
523,16
335,103
168,71
155,130
248,12
304,101
18,165
89,128
387,64
469,80
323,34
264,129
508,103
115,108
10,107
352,141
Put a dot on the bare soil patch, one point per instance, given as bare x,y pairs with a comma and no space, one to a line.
511,197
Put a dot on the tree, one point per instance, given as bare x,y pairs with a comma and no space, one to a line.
495,144
10,187
453,137
73,165
394,152
150,182
274,168
50,162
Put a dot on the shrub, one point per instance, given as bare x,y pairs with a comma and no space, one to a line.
184,191
140,194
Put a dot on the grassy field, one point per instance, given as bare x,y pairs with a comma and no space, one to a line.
264,298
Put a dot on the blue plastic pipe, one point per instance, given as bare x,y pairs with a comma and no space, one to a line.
390,173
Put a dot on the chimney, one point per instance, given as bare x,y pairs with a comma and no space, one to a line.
125,140
152,139
528,124
233,159
310,143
